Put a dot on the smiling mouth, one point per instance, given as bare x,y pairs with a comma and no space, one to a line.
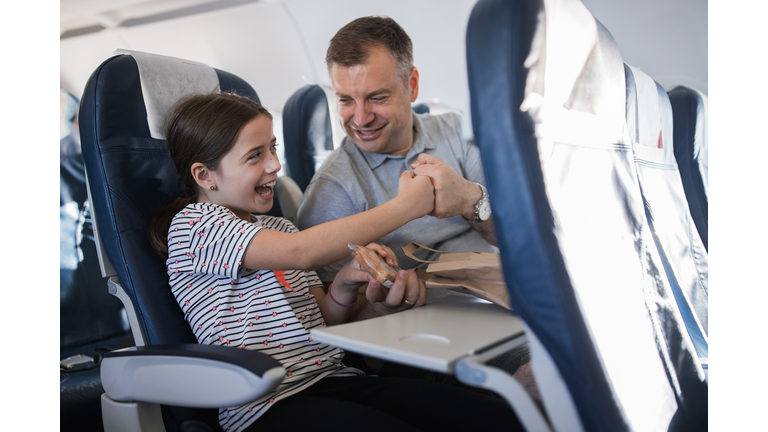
265,190
366,134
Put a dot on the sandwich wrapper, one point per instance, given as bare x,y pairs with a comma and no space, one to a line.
475,273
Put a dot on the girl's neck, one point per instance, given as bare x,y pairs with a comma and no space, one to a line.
244,215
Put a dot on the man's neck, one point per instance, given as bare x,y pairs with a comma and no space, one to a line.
409,146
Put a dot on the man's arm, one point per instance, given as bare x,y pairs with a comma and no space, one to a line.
486,231
454,195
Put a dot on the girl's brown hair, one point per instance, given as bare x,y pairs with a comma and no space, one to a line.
200,128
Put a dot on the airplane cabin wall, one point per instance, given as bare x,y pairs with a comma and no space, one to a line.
668,40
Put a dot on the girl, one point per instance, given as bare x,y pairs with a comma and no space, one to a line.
231,273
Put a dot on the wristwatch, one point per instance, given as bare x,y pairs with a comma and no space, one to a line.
482,208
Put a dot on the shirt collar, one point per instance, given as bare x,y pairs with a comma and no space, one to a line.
420,143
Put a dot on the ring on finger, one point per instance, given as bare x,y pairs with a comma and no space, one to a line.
409,303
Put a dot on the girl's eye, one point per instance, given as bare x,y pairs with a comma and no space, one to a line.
254,156
274,147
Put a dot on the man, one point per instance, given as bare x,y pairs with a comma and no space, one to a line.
370,61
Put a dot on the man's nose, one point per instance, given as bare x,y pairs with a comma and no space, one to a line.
362,115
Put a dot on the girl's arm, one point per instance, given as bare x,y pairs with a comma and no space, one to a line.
327,243
343,300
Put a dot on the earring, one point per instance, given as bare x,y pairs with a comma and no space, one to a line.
212,187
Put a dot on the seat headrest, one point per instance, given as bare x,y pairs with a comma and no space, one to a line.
649,118
700,133
689,110
337,129
574,77
165,80
700,140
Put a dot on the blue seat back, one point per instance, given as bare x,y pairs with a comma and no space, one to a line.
131,177
650,122
689,113
307,133
547,96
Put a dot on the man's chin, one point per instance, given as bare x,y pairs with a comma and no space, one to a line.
377,145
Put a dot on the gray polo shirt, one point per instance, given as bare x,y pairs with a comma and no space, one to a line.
351,181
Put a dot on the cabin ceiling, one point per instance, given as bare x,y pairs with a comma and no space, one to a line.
279,45
80,17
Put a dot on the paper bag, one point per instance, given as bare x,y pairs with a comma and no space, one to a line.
476,273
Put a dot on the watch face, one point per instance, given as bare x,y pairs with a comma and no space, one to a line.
485,211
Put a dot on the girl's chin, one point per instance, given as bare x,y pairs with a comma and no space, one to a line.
264,205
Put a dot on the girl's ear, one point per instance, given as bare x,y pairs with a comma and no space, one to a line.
203,176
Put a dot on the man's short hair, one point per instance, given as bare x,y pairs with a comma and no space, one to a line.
351,45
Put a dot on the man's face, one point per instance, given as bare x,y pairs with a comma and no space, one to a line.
375,103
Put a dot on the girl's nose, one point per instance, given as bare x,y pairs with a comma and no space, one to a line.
273,164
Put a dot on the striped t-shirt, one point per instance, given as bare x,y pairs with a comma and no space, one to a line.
264,310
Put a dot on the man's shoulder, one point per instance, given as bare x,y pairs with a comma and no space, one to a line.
442,128
443,119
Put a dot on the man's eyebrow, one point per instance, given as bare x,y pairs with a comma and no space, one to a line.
373,93
378,92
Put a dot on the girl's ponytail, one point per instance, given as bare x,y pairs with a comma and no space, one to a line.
161,222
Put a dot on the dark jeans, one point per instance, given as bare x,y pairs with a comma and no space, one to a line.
387,404
508,362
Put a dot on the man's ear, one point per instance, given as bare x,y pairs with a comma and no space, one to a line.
202,175
413,84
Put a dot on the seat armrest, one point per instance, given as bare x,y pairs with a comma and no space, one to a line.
189,375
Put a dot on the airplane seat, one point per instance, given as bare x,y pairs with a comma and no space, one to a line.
130,177
609,350
91,321
311,131
650,122
689,113
307,133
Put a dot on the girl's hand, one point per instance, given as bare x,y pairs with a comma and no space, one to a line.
352,276
417,194
454,195
386,253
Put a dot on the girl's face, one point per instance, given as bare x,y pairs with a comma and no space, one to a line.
246,177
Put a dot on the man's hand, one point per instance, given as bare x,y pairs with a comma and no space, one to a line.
454,195
408,291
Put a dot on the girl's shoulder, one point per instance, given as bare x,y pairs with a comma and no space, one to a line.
274,223
203,208
197,212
